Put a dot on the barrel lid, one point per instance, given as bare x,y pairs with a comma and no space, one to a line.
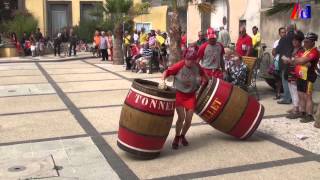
151,88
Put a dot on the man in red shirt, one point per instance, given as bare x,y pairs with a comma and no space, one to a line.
244,43
305,71
210,56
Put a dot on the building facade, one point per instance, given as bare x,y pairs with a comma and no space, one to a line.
53,15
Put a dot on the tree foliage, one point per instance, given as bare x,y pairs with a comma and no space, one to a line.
22,22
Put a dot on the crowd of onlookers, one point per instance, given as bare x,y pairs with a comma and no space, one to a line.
295,68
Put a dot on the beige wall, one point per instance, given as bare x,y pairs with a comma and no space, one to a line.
37,8
194,23
157,17
237,9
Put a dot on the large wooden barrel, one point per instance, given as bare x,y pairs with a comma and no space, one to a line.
229,109
146,119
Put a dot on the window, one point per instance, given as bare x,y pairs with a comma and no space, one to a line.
90,11
146,26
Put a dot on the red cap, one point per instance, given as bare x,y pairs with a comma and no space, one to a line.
211,33
191,53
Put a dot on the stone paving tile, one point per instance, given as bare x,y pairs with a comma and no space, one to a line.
65,65
111,67
75,70
94,85
22,80
208,150
30,103
25,89
20,72
308,170
18,67
26,127
103,98
84,77
79,158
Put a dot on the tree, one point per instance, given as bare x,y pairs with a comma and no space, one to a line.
175,27
120,12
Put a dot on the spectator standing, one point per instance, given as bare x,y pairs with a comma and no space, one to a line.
224,37
285,48
110,45
72,42
244,43
39,42
65,39
298,51
201,38
275,66
96,43
256,41
143,37
32,44
127,39
56,44
103,46
23,43
135,37
306,72
210,55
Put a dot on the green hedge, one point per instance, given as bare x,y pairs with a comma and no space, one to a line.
22,22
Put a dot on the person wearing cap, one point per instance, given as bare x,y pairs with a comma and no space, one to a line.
188,76
201,38
210,55
306,76
244,43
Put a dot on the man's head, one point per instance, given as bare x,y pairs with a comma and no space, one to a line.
255,30
158,32
126,33
97,33
190,55
297,39
103,33
153,32
146,46
310,39
242,31
282,32
211,35
143,30
38,29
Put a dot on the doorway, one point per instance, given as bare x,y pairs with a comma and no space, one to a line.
59,17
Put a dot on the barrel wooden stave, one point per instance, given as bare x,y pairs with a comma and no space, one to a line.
238,115
144,125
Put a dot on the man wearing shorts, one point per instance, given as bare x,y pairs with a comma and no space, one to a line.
305,70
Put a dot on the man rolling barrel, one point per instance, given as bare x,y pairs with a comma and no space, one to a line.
210,56
188,76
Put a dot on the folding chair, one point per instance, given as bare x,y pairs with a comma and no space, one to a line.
251,63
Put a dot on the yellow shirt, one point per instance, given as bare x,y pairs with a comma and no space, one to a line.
143,38
127,40
256,40
160,39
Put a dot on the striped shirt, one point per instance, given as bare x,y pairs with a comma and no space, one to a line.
147,52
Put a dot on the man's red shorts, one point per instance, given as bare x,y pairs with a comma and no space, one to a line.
186,100
214,73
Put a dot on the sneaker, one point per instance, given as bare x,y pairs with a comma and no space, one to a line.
148,71
184,141
295,115
175,143
308,118
140,71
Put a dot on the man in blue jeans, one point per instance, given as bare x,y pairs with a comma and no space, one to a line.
285,48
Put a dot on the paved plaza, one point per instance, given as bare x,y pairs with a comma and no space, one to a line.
59,120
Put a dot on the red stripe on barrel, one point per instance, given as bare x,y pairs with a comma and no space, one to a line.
140,141
218,102
247,119
150,104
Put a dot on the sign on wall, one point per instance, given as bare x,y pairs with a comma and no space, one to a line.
301,11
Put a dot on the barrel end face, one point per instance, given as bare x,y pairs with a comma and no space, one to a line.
138,154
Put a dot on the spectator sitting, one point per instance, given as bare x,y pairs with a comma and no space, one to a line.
134,54
238,73
142,62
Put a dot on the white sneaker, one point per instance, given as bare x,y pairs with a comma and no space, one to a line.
140,71
148,71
